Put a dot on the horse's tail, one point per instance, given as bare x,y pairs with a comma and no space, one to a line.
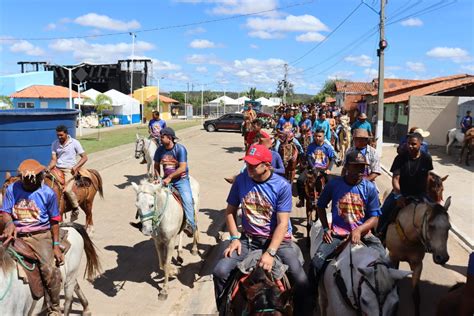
93,267
99,186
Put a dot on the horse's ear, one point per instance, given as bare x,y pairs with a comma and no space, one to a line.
135,186
136,135
398,274
444,178
8,175
447,204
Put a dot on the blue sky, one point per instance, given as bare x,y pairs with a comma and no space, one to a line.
237,53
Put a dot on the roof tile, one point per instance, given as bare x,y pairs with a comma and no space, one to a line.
44,92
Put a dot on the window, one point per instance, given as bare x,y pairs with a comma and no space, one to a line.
26,105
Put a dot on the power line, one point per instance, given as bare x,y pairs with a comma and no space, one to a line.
162,28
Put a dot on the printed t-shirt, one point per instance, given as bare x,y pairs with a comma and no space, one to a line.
260,203
155,127
467,122
307,124
319,155
66,153
413,173
170,159
352,205
286,124
31,211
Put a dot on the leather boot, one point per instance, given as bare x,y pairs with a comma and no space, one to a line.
52,286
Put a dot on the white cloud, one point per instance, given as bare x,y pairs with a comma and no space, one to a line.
265,35
201,69
26,48
455,54
362,60
412,22
371,72
202,43
341,74
105,22
197,30
468,68
310,37
198,59
84,51
177,76
253,46
416,66
50,26
236,7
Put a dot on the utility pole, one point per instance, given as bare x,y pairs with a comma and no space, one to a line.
380,94
133,62
202,102
285,83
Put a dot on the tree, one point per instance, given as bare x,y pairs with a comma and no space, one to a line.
101,103
6,100
328,90
281,88
178,96
252,93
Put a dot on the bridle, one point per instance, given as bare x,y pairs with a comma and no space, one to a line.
155,215
140,152
421,230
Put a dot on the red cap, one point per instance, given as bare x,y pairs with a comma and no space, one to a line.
258,154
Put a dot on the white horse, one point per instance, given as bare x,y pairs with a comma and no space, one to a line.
146,147
162,218
370,285
454,135
15,295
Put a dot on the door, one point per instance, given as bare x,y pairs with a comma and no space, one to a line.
224,122
236,121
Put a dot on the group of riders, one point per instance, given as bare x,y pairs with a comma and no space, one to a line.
30,208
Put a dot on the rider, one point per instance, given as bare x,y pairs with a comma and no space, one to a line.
155,125
355,211
174,159
64,151
30,212
466,122
249,116
322,124
319,155
361,122
305,125
409,181
265,199
287,123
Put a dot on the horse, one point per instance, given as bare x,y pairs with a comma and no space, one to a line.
145,147
162,218
16,297
258,294
359,282
434,187
344,142
453,135
289,155
85,189
419,228
467,144
313,186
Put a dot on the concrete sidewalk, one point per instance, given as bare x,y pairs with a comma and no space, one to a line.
459,186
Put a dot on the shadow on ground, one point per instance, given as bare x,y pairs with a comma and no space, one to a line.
130,179
235,149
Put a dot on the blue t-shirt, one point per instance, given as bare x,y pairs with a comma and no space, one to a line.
260,203
155,127
306,123
362,125
277,163
31,211
171,158
286,124
324,125
319,155
466,122
352,205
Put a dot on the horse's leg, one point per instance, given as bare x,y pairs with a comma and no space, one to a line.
158,252
83,299
194,250
179,259
89,220
308,218
166,259
416,267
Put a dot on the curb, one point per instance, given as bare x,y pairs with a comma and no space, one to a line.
463,240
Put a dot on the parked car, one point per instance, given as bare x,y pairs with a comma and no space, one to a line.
231,121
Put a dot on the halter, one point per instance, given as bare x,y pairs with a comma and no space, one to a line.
141,152
156,215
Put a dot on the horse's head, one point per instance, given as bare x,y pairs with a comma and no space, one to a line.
435,187
139,146
146,200
436,231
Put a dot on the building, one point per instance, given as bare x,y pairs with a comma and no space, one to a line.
165,106
10,84
42,96
351,96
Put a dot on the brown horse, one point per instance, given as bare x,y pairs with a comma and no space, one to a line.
85,189
313,186
289,155
467,144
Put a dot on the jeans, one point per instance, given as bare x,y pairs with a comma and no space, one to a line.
387,209
295,141
184,188
286,253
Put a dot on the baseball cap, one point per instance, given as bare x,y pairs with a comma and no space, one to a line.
30,167
168,131
257,154
356,158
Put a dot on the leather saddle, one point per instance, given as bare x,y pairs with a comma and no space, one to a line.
57,175
31,274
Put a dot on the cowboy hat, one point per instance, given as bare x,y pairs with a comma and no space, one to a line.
422,132
362,116
30,167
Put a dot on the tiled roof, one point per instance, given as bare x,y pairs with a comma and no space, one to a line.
354,87
434,88
44,92
162,99
351,101
330,100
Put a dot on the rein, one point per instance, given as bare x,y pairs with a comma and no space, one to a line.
10,279
421,231
156,215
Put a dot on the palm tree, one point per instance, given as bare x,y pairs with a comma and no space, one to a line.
252,93
101,103
6,100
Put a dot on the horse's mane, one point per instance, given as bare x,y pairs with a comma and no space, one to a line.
6,262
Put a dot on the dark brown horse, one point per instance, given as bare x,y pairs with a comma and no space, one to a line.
85,189
289,155
313,186
435,187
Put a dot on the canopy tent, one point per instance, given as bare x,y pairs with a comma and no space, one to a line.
265,102
126,108
241,100
91,94
224,100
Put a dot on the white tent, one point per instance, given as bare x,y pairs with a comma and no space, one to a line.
91,94
241,100
265,102
126,108
224,100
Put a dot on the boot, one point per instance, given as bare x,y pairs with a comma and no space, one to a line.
230,180
53,289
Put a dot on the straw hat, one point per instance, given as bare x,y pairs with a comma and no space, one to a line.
422,132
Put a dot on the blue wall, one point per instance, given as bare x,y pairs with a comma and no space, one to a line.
11,83
125,120
52,103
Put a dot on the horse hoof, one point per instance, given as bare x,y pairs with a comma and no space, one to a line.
179,261
163,296
194,252
86,313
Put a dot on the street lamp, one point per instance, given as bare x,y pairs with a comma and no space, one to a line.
79,88
70,80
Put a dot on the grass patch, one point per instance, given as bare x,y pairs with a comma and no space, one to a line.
113,138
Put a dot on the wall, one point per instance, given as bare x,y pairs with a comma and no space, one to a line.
52,103
16,82
436,114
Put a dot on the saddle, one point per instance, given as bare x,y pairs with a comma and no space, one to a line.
57,175
27,263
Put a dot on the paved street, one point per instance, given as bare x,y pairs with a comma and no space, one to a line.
131,281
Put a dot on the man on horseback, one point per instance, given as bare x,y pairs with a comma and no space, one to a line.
322,124
287,123
155,126
174,159
409,181
250,139
355,211
319,156
466,122
30,212
305,126
64,151
362,123
265,199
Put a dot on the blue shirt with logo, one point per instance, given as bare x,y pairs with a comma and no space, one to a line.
155,127
170,159
286,124
319,155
